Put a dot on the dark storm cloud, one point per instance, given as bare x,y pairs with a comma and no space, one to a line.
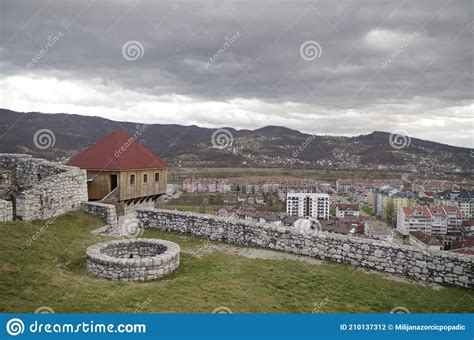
264,62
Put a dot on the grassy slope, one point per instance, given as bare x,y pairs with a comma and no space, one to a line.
52,272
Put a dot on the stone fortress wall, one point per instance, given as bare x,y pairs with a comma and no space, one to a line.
40,189
6,211
123,223
432,266
106,212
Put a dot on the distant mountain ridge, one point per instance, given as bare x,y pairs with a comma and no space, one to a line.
270,146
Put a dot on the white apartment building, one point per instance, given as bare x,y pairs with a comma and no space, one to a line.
453,219
465,202
308,205
414,219
439,222
435,220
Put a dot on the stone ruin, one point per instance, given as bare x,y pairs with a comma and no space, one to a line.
33,188
133,259
120,220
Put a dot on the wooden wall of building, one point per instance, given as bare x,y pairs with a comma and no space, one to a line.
141,189
100,185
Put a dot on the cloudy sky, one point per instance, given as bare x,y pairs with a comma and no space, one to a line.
358,65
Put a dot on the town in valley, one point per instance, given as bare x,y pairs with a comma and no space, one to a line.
428,214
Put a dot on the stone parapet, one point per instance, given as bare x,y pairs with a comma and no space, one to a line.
433,266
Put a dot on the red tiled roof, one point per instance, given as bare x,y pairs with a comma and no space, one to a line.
419,210
452,208
117,151
465,251
346,206
426,239
467,243
468,223
437,209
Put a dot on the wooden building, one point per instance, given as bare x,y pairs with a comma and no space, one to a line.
121,170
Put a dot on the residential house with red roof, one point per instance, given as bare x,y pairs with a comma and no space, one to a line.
120,169
423,241
343,210
468,228
465,246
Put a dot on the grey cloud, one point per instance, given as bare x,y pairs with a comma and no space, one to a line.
179,37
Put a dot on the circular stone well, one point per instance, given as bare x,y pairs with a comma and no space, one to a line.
137,259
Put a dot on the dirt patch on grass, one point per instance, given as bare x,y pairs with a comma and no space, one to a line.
251,253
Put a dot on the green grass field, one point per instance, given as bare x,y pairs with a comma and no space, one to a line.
52,272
